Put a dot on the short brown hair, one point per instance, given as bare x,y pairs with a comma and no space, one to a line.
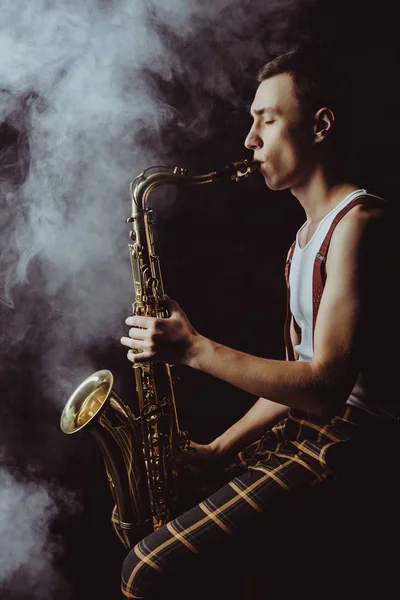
315,74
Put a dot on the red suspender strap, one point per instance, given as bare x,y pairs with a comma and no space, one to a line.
319,274
288,341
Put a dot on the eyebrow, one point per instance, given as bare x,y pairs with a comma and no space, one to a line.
262,111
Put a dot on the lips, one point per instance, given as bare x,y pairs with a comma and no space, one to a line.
261,162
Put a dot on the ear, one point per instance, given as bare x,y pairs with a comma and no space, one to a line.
323,123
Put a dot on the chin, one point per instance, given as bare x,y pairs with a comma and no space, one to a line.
270,182
275,186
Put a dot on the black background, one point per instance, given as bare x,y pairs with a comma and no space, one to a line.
222,250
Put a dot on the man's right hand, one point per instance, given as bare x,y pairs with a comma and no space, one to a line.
200,454
201,473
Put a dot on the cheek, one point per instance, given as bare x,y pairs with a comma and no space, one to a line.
278,142
272,147
283,155
292,150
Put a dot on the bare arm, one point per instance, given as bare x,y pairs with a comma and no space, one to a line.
314,386
263,415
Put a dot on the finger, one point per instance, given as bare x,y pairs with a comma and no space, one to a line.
171,305
139,357
131,354
133,344
138,321
136,333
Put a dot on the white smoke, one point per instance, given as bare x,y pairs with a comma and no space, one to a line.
75,77
28,548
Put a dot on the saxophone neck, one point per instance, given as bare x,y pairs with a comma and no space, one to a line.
146,182
149,289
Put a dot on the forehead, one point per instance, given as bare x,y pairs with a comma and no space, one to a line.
276,93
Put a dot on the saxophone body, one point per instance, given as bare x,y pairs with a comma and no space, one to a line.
140,452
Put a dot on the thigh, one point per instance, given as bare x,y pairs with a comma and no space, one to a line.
206,532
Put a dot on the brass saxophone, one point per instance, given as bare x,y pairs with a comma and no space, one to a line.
140,453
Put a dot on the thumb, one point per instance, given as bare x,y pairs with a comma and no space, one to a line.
171,305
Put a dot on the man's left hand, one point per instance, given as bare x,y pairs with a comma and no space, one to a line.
161,340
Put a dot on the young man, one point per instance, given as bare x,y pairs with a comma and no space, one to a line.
334,391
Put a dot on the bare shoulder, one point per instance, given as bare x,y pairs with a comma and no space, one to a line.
364,242
373,211
367,222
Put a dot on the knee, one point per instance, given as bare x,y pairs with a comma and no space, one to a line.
128,566
139,577
131,567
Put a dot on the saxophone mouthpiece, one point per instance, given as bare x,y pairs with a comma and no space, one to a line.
237,170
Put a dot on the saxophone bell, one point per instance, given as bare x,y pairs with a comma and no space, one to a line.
97,408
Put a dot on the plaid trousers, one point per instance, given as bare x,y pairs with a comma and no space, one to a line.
287,461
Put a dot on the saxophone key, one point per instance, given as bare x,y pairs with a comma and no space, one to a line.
151,413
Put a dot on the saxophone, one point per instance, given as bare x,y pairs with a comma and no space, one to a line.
140,452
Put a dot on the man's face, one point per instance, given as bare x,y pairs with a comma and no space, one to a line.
282,140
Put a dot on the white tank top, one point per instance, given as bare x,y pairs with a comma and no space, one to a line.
301,292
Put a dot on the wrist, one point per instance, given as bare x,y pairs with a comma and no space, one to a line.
216,447
194,350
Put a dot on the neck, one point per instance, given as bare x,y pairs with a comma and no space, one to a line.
321,193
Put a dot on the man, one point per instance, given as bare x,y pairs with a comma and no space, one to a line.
335,388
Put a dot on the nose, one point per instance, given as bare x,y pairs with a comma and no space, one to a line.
253,140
